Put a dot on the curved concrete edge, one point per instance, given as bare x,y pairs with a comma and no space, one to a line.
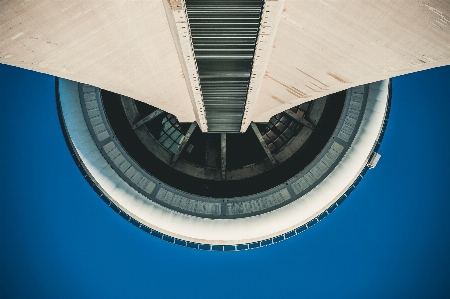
225,231
221,208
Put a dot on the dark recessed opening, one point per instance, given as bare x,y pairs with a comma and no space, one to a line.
241,149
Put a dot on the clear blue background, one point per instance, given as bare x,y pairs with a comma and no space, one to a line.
390,239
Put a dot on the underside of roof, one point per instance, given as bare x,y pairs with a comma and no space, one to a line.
135,48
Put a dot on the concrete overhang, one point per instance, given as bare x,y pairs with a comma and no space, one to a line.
316,48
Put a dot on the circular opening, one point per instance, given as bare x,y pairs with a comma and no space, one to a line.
223,165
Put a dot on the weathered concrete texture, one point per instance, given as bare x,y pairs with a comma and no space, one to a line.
322,47
122,46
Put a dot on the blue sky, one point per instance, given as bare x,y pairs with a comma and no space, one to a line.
390,239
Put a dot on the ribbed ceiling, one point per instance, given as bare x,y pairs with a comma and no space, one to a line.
224,35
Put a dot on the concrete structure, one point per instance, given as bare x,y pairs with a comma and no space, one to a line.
306,49
301,51
227,223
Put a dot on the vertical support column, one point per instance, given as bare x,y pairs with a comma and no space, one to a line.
263,144
223,155
183,144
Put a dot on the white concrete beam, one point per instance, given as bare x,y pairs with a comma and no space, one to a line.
179,25
270,19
